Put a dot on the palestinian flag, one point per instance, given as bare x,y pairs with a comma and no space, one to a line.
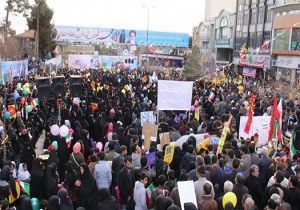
211,95
34,102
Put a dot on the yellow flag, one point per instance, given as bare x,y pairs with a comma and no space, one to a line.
197,113
225,131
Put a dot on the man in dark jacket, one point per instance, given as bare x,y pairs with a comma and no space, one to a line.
253,185
106,200
187,158
294,193
126,183
230,176
239,190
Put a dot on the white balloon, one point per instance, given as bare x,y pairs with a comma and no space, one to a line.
54,130
64,130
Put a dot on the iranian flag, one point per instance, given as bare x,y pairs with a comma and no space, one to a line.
149,191
34,102
289,136
69,139
25,186
211,95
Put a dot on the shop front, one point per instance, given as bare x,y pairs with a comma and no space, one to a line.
288,68
254,65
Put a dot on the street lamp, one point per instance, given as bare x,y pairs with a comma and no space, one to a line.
148,10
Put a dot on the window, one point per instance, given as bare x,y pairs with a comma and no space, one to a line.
295,41
246,19
282,41
252,40
224,22
267,36
258,39
224,33
261,15
253,18
269,15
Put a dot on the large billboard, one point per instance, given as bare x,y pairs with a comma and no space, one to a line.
84,61
119,62
121,36
11,69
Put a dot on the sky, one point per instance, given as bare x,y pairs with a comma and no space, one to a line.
164,15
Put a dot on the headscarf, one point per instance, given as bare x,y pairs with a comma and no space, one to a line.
51,180
103,194
189,206
14,174
53,158
88,181
22,174
25,203
5,173
54,203
65,201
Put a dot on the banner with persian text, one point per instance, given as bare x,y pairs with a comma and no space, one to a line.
121,36
174,95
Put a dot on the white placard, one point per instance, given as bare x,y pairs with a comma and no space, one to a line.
174,95
260,125
187,192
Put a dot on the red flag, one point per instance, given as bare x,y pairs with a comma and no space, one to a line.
275,116
250,114
249,120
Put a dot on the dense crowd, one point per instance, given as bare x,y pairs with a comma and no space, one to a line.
105,165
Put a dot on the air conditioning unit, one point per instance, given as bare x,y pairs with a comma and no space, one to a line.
274,62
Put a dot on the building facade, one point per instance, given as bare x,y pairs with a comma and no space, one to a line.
253,29
204,32
286,43
224,37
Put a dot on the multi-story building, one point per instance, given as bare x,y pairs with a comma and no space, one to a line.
224,37
204,33
253,29
286,42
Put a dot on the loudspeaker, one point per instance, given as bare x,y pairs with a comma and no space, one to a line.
43,88
58,88
75,86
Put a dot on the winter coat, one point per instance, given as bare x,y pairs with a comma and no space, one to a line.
140,196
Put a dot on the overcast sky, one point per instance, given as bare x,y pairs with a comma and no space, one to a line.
164,15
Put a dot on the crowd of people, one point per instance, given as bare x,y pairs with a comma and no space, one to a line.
106,167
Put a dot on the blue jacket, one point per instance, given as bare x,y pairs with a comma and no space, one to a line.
102,174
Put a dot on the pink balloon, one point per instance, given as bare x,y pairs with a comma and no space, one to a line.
71,131
76,147
99,145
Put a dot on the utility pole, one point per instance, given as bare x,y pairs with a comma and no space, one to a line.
147,45
37,33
